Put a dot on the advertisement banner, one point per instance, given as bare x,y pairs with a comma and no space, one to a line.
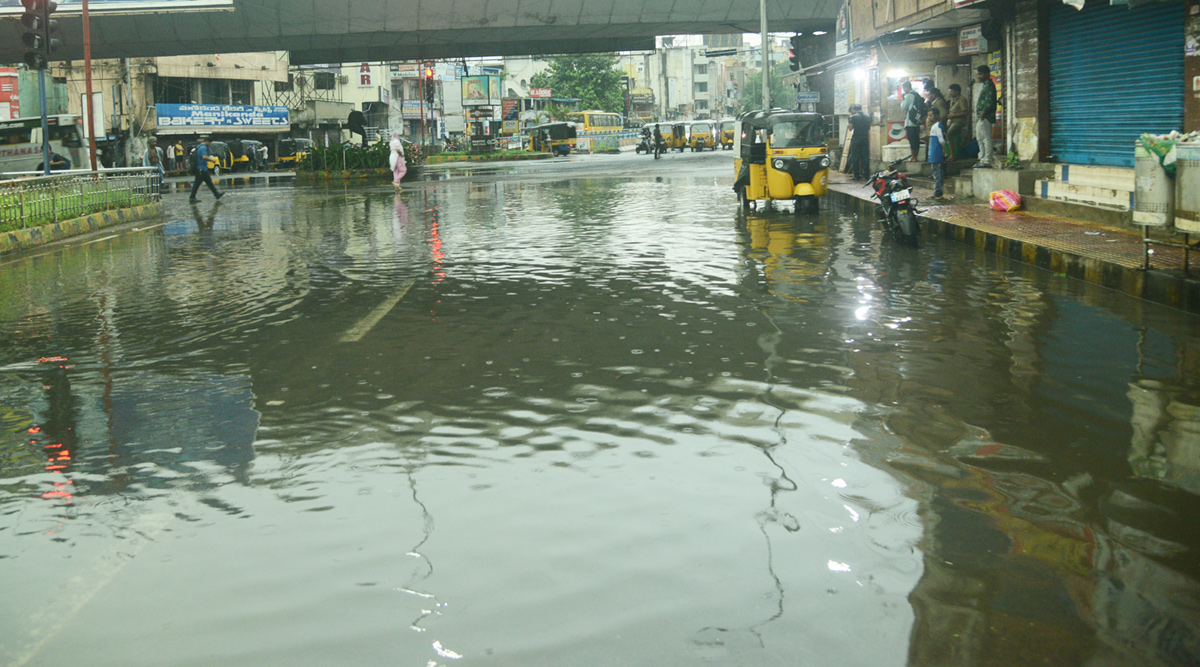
121,6
508,110
221,117
481,91
541,93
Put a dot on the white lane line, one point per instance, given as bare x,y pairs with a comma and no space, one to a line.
356,332
103,238
78,591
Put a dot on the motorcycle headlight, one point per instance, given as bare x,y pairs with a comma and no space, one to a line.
778,164
824,162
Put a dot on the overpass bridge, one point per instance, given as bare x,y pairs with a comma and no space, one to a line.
332,31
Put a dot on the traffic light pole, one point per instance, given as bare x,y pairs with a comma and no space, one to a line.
766,56
422,106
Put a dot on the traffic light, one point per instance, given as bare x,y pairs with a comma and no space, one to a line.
429,91
794,54
38,30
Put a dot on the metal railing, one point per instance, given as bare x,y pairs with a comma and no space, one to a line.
29,199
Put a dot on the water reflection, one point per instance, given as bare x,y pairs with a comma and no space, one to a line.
590,408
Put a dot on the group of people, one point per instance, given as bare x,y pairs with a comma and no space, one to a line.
945,120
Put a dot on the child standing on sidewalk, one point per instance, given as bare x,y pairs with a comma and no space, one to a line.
937,151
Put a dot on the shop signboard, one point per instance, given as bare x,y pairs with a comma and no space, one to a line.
222,117
971,41
404,71
540,93
511,126
411,109
121,6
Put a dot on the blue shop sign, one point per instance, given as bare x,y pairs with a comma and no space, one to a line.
221,115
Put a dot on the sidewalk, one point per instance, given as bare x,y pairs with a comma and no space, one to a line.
1100,254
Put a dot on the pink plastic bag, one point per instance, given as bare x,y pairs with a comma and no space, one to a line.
1005,200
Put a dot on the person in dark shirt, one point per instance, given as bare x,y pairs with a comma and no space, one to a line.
860,142
57,163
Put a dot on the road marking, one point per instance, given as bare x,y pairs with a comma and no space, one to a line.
103,238
81,588
356,332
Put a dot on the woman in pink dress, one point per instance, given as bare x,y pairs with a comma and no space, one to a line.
396,160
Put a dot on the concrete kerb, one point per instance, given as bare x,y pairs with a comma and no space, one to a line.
1167,287
24,239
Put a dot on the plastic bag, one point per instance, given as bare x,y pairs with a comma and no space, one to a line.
1164,149
1005,200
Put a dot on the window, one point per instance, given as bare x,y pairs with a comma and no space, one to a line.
701,105
173,90
241,92
286,86
701,87
213,91
701,70
324,80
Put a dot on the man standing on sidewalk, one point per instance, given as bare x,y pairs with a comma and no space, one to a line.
203,175
937,156
985,115
957,120
914,112
860,142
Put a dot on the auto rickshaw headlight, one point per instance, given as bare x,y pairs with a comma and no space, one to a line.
824,162
778,164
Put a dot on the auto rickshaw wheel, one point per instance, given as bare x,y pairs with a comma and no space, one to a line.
743,199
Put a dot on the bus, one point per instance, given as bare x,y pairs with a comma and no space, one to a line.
21,141
598,122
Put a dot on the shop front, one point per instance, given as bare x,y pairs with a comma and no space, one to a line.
1115,71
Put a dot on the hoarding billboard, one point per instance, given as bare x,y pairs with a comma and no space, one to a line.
480,91
121,6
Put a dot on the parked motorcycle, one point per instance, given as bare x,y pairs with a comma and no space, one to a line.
897,208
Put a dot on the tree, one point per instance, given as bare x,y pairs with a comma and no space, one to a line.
593,79
781,95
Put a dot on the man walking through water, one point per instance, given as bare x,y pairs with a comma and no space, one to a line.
202,173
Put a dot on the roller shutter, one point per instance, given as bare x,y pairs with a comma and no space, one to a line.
1115,73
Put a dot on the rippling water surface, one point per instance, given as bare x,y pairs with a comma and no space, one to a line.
596,421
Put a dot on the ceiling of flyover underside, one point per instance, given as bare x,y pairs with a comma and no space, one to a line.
328,31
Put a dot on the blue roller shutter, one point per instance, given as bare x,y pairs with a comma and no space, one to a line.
1115,73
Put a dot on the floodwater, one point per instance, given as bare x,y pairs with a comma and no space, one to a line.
535,420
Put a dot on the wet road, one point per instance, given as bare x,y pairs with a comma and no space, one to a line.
584,413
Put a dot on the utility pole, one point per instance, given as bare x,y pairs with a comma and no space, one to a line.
87,76
766,56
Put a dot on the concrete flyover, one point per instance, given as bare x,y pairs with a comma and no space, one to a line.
330,31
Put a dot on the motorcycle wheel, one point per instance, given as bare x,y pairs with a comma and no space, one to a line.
909,229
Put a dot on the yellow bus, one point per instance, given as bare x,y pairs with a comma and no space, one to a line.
596,121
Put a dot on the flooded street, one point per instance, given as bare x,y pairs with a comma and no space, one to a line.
584,413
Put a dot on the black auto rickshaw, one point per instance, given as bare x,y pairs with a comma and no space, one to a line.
556,138
247,154
781,154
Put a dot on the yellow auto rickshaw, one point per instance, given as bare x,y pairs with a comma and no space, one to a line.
700,136
293,150
675,135
781,155
554,138
727,133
